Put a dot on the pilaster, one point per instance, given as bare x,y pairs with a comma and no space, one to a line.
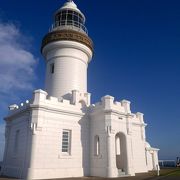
130,164
111,167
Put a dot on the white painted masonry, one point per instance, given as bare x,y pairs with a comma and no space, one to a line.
104,139
70,61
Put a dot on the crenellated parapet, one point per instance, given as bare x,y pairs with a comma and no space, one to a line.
41,98
108,104
79,102
140,117
77,98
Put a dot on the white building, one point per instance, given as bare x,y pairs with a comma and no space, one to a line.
59,133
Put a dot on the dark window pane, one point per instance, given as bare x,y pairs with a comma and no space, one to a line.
65,144
52,68
63,17
75,18
80,20
69,17
69,22
65,141
70,12
75,13
64,150
63,23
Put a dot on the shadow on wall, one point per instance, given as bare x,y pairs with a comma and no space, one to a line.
85,132
2,141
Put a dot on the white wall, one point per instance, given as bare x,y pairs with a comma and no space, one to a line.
51,117
14,162
49,161
98,164
138,145
70,67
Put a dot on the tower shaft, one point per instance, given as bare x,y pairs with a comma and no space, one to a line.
66,68
67,50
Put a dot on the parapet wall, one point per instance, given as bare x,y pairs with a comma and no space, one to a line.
78,101
123,107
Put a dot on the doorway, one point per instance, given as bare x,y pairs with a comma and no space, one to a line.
121,152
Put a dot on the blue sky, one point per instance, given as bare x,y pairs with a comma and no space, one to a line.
136,57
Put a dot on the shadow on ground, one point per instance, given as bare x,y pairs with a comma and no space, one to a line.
165,174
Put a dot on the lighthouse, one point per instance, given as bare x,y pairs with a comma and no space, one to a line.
67,50
58,133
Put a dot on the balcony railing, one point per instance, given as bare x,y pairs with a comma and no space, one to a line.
69,24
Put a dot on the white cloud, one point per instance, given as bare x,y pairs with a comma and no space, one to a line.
16,63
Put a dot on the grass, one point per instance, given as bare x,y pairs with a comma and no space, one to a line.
170,172
175,173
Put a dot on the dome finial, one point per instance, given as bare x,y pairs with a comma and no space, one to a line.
70,0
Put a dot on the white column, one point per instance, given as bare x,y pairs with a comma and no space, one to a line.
130,165
109,153
155,160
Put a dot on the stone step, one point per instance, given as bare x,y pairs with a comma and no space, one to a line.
124,175
121,173
120,170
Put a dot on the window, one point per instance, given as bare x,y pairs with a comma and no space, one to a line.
52,68
96,146
66,141
118,145
16,142
69,17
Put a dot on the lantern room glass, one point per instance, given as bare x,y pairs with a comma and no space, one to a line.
69,18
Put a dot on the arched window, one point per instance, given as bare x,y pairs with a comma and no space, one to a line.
121,152
96,145
118,145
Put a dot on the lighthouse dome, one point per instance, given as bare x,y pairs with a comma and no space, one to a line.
69,17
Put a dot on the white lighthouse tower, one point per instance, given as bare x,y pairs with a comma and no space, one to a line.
67,50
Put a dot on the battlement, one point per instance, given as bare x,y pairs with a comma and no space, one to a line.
77,101
41,97
76,98
108,103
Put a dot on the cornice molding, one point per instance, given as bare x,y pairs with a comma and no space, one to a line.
67,35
